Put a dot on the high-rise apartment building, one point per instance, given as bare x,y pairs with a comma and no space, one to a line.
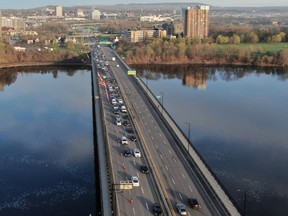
196,21
96,14
59,11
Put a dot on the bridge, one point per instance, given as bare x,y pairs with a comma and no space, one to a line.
177,171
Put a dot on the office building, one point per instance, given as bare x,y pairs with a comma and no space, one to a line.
196,22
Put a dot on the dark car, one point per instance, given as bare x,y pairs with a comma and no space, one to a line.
126,123
194,203
130,130
127,152
144,169
133,138
157,210
126,116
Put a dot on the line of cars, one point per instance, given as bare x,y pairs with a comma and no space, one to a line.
120,114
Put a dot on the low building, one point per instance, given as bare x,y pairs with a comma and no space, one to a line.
140,35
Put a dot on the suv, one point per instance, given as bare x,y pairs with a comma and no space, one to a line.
194,203
157,210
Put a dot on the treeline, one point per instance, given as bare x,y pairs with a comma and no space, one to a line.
8,55
247,34
189,51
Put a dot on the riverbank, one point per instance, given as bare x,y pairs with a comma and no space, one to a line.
36,64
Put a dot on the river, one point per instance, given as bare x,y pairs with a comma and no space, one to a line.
46,143
238,122
238,118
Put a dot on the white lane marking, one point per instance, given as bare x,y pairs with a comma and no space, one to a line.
174,160
147,206
142,190
161,157
148,113
134,162
148,131
164,142
159,133
138,175
183,175
190,189
173,181
180,196
144,122
170,152
166,167
153,122
152,137
189,213
134,211
156,146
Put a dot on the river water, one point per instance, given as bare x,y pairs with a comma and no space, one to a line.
238,119
46,143
238,122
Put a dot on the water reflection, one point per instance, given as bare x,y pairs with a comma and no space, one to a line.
238,124
46,142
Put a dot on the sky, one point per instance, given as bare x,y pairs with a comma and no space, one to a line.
25,4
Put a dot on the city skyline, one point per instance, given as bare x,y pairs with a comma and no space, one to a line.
25,4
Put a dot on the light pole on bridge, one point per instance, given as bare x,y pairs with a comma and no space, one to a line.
189,124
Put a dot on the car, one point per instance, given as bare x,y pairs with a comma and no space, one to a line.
135,181
120,101
113,101
194,203
157,210
118,123
116,111
117,65
133,138
126,116
137,153
130,130
118,117
127,152
123,109
144,169
181,208
124,140
126,123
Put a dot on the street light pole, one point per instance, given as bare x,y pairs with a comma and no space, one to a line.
162,101
189,123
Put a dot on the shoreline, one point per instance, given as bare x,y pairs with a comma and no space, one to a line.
36,64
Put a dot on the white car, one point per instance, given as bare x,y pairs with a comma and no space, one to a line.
181,208
120,101
118,123
135,181
117,65
137,153
124,141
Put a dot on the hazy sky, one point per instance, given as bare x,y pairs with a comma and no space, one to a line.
23,4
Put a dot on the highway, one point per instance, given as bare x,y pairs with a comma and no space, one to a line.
172,179
123,167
